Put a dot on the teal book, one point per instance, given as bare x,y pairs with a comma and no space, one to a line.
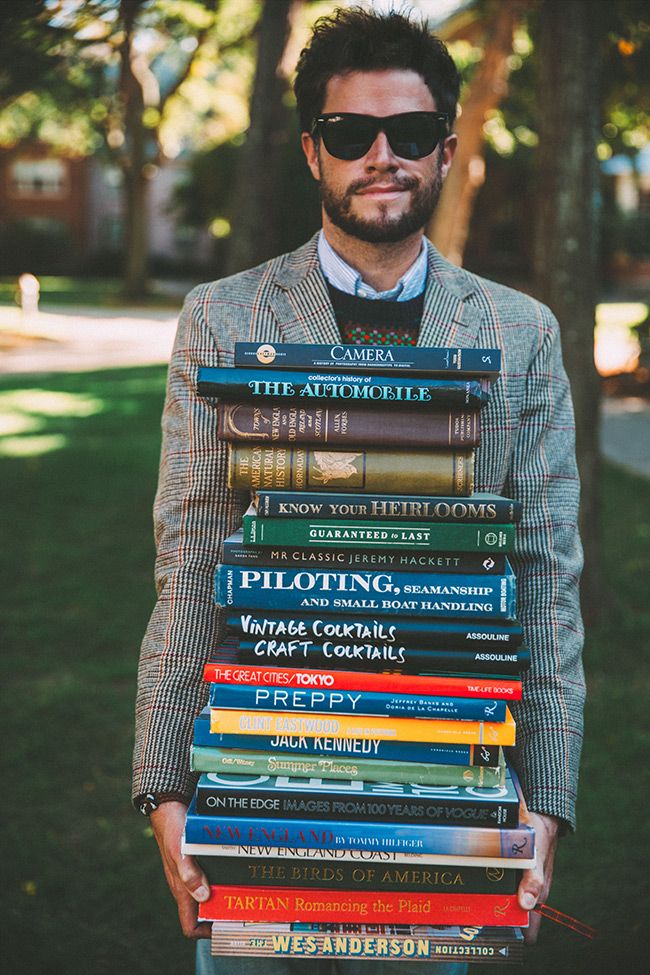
330,532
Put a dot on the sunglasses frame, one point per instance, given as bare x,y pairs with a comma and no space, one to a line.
319,124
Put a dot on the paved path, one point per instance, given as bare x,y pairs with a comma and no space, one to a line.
625,433
78,339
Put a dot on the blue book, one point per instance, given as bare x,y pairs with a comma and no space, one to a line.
355,702
387,593
517,842
372,358
487,756
235,385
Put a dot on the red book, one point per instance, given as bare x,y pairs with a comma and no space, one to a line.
501,688
370,907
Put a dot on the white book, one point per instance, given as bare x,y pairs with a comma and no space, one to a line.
366,856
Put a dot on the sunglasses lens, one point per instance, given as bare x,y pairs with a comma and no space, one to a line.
348,138
413,136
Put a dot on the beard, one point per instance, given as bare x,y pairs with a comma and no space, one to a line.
383,229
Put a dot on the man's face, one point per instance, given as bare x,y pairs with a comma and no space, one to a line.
380,198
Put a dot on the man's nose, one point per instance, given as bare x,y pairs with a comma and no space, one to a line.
380,155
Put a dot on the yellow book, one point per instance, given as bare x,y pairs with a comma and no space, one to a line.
433,730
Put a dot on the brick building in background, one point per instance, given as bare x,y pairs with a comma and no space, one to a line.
63,215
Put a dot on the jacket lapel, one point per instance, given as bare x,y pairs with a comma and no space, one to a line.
301,302
304,313
447,319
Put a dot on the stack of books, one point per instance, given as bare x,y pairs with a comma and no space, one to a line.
354,790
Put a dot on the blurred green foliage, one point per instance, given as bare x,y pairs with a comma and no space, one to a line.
194,57
205,197
197,61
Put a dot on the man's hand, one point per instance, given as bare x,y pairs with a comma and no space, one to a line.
535,884
186,880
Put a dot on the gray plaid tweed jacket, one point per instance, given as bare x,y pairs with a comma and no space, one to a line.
527,452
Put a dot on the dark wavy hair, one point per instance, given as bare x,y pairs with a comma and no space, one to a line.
362,40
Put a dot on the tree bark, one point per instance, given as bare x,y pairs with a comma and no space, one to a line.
449,226
565,246
134,157
255,234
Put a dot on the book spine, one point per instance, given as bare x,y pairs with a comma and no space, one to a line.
280,872
258,385
478,687
442,753
437,806
330,854
279,904
377,534
301,469
238,722
427,633
491,510
381,657
510,843
382,943
342,425
363,592
235,696
236,553
374,358
219,760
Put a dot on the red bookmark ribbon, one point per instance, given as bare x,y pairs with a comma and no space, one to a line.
565,919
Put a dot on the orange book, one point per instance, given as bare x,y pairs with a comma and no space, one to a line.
312,725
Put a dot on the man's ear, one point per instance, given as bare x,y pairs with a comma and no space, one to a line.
311,154
448,150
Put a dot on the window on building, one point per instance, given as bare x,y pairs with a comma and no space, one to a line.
40,178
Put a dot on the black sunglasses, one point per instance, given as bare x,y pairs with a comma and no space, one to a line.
410,135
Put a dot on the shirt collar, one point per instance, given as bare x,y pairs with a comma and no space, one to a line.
347,279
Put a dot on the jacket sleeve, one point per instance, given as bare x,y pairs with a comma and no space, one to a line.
194,511
548,561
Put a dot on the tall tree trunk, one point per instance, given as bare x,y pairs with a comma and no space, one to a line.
449,225
136,201
134,158
255,236
565,252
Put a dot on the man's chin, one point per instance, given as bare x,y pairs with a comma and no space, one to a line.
378,231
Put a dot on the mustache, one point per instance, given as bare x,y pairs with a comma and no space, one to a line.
398,183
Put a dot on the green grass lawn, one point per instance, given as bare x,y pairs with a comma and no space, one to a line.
103,292
83,890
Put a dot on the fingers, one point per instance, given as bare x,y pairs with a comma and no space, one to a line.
530,892
532,931
192,878
531,888
187,882
187,907
536,883
187,912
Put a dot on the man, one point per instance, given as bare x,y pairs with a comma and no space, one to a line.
377,97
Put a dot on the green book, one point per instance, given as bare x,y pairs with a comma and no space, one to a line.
215,759
335,533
